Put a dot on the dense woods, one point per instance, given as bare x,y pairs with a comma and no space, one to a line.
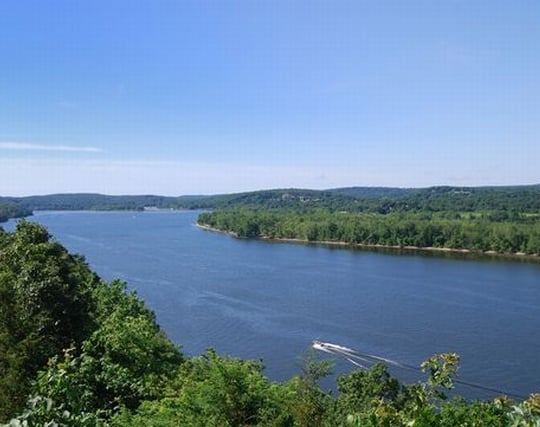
482,219
88,201
485,219
504,200
10,209
70,341
489,231
77,351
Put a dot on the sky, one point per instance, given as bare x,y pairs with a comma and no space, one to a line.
204,97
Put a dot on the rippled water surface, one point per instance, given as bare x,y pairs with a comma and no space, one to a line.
268,300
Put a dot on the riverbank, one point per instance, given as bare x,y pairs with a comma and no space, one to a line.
418,249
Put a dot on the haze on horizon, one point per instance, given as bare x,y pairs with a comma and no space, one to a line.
206,97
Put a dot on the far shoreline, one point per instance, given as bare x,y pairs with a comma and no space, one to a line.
519,256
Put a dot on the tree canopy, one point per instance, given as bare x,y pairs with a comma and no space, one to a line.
476,231
503,200
77,351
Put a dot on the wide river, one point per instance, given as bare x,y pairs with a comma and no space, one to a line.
268,301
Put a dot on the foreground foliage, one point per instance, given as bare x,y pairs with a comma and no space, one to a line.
93,346
76,351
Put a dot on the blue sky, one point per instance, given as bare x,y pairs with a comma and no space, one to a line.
190,97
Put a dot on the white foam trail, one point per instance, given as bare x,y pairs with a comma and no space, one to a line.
335,347
318,346
350,355
356,363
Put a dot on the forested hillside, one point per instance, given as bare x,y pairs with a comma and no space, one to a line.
90,345
381,199
266,198
76,351
9,209
482,219
506,201
86,201
482,232
485,219
503,200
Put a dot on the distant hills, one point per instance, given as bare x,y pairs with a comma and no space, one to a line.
524,199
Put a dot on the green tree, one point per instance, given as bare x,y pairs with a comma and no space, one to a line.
215,391
45,306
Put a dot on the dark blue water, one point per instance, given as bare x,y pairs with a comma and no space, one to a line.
256,299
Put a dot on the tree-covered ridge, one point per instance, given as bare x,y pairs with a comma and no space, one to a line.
266,198
76,351
88,201
10,209
483,232
520,199
506,201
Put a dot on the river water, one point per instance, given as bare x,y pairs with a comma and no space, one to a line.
268,301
